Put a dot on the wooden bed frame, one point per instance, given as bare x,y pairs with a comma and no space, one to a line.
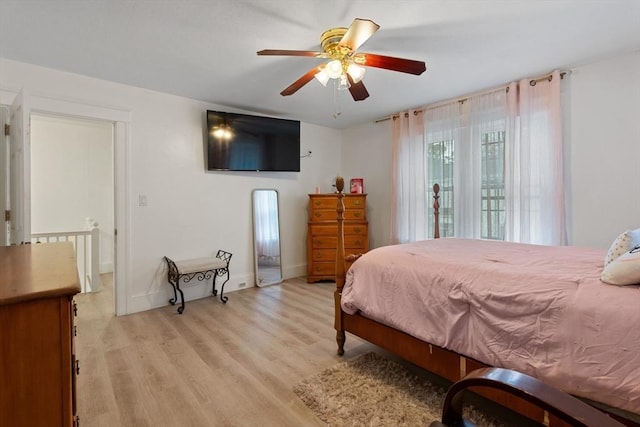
437,360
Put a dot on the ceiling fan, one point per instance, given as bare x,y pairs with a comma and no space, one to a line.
346,65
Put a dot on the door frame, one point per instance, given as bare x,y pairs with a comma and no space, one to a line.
121,119
4,175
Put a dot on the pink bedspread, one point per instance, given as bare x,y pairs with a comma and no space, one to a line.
540,310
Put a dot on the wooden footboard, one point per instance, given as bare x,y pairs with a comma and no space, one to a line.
445,363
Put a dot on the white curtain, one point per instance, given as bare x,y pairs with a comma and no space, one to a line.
481,115
529,117
409,209
442,126
534,180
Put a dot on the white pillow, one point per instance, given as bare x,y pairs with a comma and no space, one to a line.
624,270
623,243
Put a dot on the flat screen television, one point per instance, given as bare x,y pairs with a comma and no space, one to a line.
241,142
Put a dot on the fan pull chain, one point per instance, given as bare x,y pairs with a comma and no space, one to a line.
336,100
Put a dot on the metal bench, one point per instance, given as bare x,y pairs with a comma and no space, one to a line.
200,269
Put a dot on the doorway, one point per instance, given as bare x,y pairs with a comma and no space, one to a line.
72,190
20,105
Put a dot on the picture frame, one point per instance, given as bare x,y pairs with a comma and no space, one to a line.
356,185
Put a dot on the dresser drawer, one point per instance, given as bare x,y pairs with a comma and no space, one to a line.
324,268
332,215
323,230
331,242
327,202
355,229
354,202
324,255
332,230
331,202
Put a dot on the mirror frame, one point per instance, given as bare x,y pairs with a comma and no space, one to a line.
257,280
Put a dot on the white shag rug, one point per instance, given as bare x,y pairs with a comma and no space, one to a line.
371,390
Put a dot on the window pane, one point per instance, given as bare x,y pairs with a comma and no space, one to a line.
440,160
492,186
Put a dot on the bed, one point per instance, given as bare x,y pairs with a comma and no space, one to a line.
539,310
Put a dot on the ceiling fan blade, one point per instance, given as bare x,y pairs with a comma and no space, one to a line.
306,78
291,53
358,91
358,33
390,63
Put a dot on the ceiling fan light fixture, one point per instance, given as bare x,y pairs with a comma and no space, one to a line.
323,77
356,72
345,65
334,69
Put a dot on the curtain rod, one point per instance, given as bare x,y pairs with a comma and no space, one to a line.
461,100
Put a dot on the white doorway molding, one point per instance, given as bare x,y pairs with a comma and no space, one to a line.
121,119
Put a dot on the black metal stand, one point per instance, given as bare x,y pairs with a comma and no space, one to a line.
175,277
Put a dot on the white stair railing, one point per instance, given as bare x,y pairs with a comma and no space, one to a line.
87,247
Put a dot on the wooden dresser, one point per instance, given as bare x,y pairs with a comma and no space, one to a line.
37,360
322,231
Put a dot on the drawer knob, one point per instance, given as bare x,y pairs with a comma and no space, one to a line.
357,214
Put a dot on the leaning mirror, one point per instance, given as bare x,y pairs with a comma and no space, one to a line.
266,237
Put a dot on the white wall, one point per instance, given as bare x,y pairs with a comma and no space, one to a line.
366,153
602,133
604,142
72,178
189,212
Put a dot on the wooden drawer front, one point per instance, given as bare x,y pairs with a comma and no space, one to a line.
332,215
330,242
329,203
323,230
324,255
353,202
332,230
324,268
355,229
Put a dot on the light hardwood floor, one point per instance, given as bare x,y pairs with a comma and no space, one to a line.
217,364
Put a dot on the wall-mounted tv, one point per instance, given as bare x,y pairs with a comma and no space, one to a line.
241,142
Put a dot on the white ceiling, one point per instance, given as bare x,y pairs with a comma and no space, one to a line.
206,49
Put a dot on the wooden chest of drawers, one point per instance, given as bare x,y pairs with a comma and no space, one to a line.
322,231
37,358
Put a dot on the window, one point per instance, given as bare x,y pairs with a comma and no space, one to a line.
498,159
440,164
492,186
440,161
